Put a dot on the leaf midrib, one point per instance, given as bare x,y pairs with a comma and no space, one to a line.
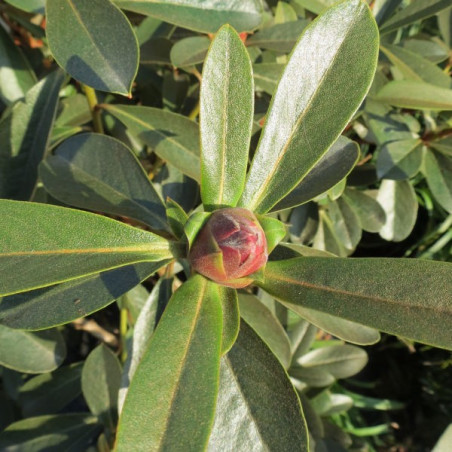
261,192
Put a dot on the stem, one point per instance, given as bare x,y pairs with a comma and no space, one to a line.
91,97
123,324
195,112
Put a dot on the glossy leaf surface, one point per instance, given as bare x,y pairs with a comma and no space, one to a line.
308,95
173,137
99,173
94,42
53,244
329,170
16,74
31,352
25,134
200,15
65,302
226,119
158,410
406,297
257,407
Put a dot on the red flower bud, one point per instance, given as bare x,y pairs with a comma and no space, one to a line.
229,247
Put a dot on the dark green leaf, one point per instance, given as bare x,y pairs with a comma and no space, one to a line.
341,328
63,303
179,369
257,406
173,137
99,173
93,41
49,393
267,326
176,217
400,159
156,51
399,202
370,213
329,170
416,95
414,67
144,328
31,352
279,37
341,361
74,111
226,119
313,101
407,297
326,237
16,74
438,172
52,244
25,135
417,10
189,51
206,16
266,76
101,379
445,25
53,433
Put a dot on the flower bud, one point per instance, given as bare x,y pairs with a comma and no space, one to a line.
229,247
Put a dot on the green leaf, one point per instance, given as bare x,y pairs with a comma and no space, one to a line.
226,119
267,326
444,145
43,308
156,51
206,16
327,404
143,329
416,95
371,215
316,97
53,244
400,159
284,13
74,111
312,377
30,6
432,50
336,164
51,433
406,297
189,51
94,42
16,74
274,229
25,135
101,379
345,223
231,317
279,37
173,137
31,352
99,173
343,329
266,76
438,172
49,393
414,67
179,369
194,224
257,408
341,361
417,10
176,217
399,202
326,237
316,6
445,25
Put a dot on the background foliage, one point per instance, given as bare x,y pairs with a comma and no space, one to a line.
99,98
